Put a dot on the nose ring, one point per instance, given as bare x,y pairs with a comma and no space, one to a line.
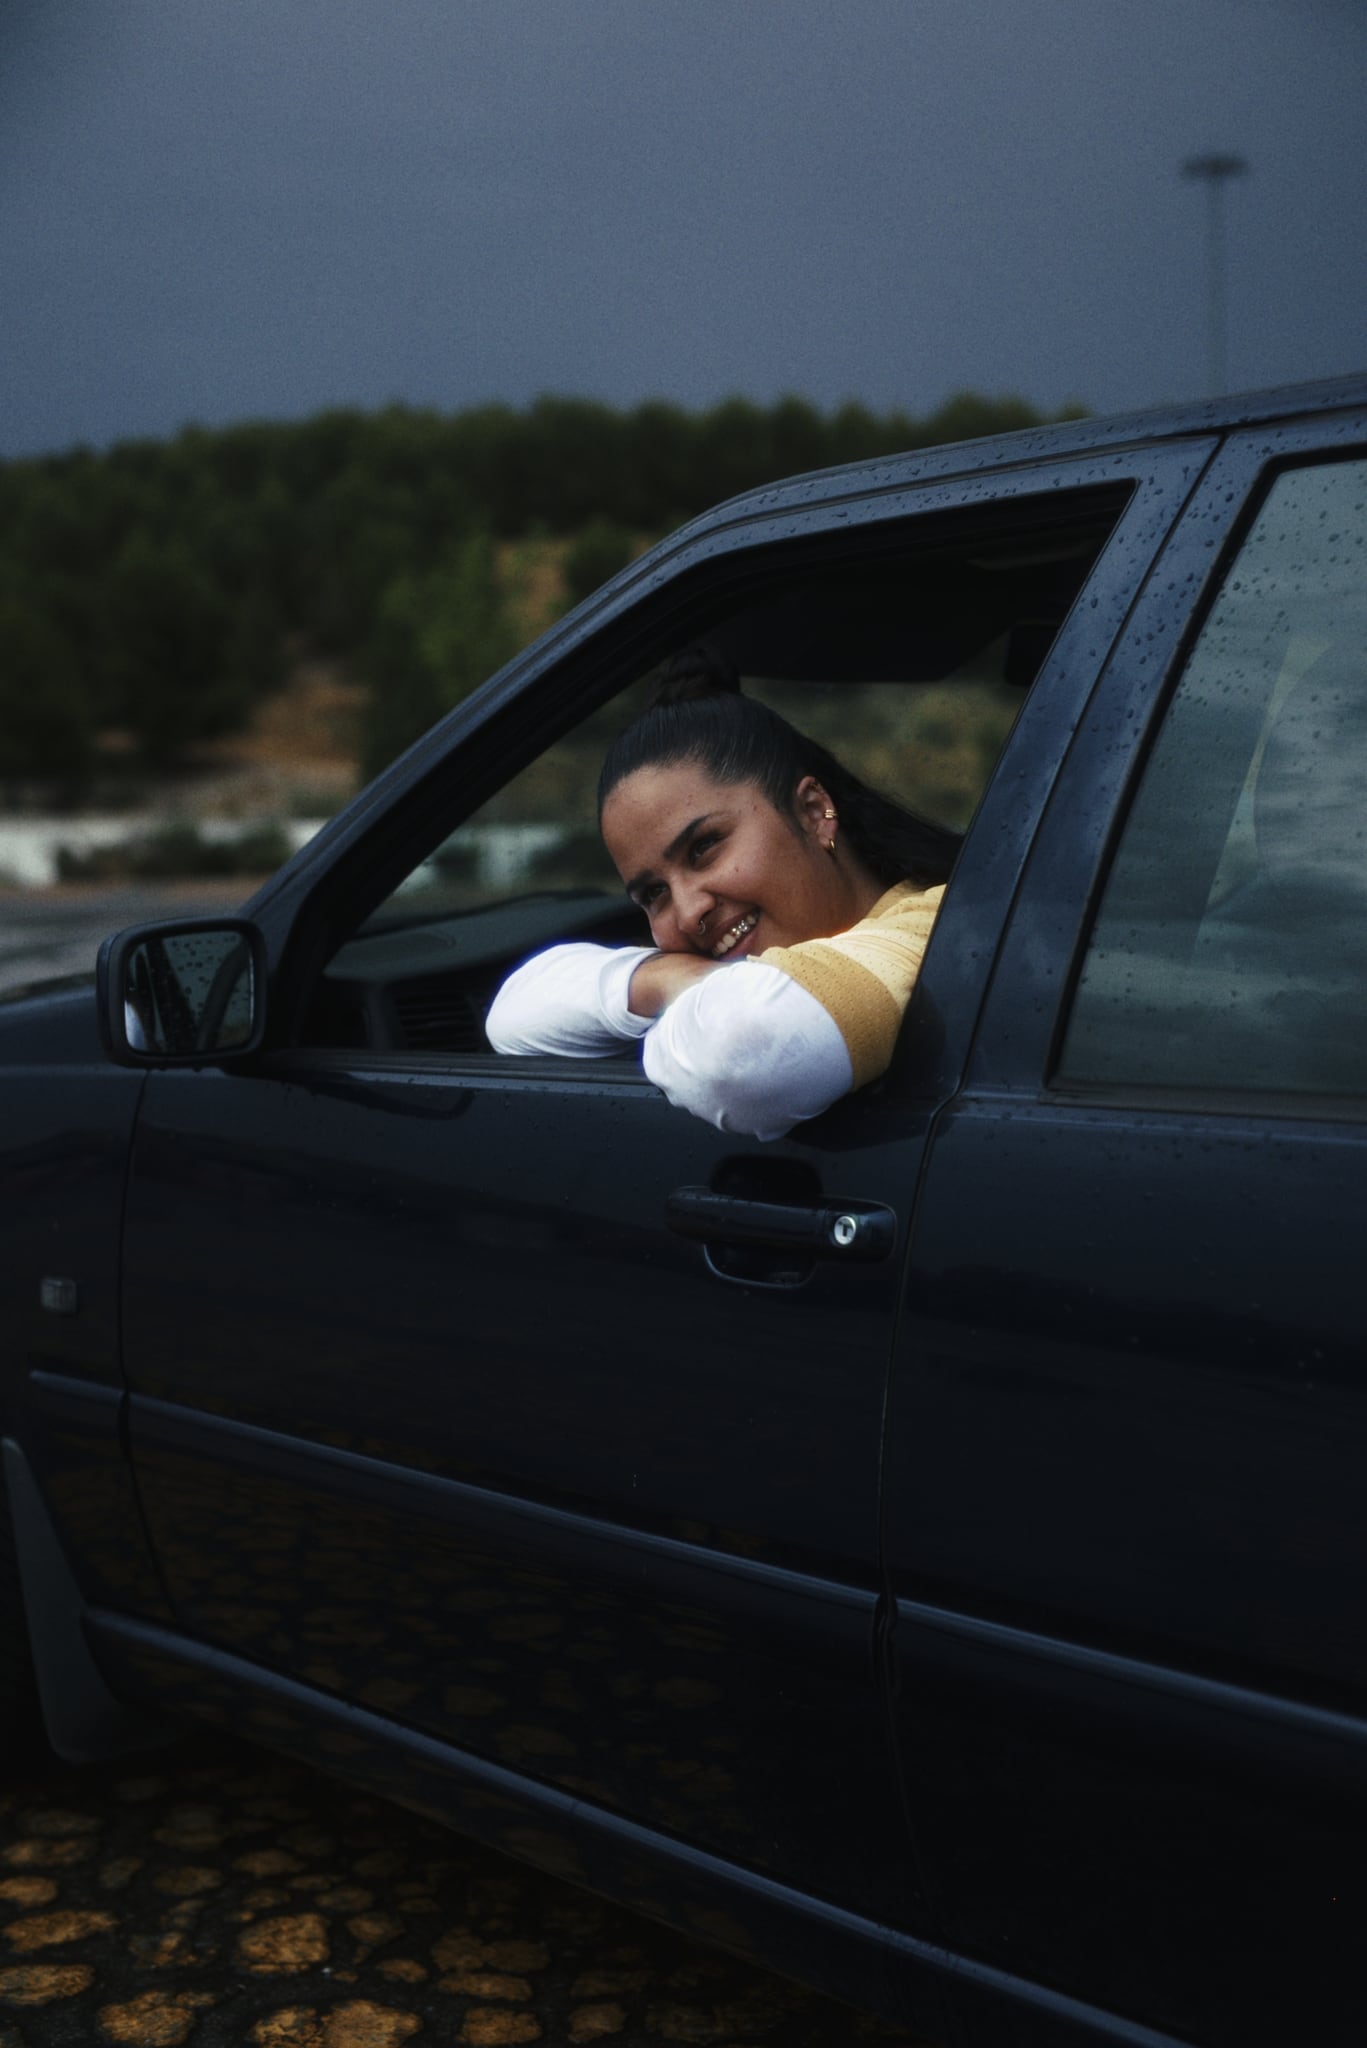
702,926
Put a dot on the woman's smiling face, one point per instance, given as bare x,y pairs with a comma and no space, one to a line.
719,872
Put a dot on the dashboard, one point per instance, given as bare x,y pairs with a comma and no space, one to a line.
425,983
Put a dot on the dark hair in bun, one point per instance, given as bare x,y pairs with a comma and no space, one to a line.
698,714
698,671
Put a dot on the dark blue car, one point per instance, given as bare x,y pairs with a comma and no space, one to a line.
968,1614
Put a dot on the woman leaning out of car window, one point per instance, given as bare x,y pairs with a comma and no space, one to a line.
790,906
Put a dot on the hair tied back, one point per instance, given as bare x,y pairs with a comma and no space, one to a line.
699,714
697,671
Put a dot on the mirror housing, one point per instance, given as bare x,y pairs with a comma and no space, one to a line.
187,993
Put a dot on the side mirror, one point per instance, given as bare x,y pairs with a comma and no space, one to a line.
182,994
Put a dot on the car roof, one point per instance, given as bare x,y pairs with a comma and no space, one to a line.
1034,444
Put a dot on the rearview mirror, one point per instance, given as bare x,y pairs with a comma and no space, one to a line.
182,994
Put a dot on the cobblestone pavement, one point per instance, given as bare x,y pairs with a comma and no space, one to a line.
207,1894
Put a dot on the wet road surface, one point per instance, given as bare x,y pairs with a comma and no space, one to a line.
209,1894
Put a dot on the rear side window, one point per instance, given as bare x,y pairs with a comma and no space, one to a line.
1230,947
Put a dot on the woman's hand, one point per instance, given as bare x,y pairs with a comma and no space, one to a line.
658,980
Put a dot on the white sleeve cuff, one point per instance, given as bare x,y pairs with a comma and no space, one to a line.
750,1050
614,982
571,1000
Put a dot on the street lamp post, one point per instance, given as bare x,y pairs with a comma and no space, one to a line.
1215,171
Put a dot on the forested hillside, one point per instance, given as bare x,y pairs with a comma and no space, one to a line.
152,595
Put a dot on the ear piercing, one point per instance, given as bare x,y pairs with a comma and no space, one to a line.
830,843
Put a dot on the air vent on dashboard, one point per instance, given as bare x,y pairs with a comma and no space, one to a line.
433,1015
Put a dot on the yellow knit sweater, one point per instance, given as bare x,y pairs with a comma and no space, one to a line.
864,977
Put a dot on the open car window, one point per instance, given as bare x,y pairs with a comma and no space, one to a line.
911,664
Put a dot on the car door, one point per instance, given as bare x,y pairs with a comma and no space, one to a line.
432,1409
1125,1515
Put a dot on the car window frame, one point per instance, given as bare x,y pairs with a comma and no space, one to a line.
1187,887
309,908
1021,1032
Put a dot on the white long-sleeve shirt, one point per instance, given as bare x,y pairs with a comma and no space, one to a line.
755,1048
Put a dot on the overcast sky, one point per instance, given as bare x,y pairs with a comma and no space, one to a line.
213,210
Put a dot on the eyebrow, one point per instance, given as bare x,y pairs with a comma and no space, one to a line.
676,845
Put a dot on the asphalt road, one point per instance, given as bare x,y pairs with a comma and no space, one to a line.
210,1895
44,932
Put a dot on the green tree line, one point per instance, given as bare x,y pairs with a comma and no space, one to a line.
158,588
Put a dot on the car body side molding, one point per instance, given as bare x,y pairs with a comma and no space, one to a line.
649,1871
1038,1672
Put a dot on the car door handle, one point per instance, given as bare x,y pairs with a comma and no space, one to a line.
857,1232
